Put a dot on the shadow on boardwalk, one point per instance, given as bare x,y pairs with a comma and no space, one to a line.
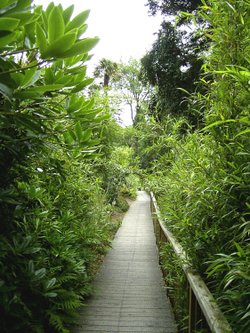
130,294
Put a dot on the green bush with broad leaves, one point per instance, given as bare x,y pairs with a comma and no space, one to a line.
54,212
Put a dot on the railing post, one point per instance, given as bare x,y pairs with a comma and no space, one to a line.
202,307
192,304
153,214
195,320
158,231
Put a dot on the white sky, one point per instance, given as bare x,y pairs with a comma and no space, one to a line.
124,26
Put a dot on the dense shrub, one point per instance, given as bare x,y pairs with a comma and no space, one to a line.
55,216
202,178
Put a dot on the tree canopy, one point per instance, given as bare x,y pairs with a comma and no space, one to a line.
173,67
172,7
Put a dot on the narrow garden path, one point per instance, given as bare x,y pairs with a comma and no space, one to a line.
130,294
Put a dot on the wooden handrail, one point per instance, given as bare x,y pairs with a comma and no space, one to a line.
198,291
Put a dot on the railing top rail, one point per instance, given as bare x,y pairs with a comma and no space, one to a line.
214,317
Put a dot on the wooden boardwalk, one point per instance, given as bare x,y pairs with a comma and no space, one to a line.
130,294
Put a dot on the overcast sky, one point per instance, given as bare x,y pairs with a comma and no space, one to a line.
124,26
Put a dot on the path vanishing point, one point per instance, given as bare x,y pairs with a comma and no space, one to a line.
129,290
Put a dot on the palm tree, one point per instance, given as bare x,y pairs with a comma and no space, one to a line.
107,69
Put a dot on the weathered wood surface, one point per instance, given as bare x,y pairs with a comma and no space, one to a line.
130,294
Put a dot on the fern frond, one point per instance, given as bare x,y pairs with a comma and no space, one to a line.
56,322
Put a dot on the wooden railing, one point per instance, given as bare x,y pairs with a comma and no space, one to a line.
201,304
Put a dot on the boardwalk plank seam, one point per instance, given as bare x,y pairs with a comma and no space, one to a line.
130,293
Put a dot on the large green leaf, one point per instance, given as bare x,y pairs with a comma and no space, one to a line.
8,23
78,131
40,38
49,76
5,91
36,92
88,116
82,46
31,76
66,81
11,6
3,3
86,135
21,5
24,17
28,123
30,35
68,13
74,103
40,273
82,30
68,137
27,79
81,70
82,85
18,78
70,62
94,142
55,24
49,9
88,105
103,117
78,21
60,46
78,78
8,39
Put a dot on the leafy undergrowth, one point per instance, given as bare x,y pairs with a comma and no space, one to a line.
201,177
58,180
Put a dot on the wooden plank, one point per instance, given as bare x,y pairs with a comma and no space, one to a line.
130,294
214,317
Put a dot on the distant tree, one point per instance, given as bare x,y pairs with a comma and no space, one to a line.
174,63
107,69
171,64
172,7
132,87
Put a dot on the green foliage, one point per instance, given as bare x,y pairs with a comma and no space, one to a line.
117,176
232,270
176,283
198,213
173,66
132,88
54,212
125,86
124,156
172,7
153,141
48,260
118,171
202,178
203,194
